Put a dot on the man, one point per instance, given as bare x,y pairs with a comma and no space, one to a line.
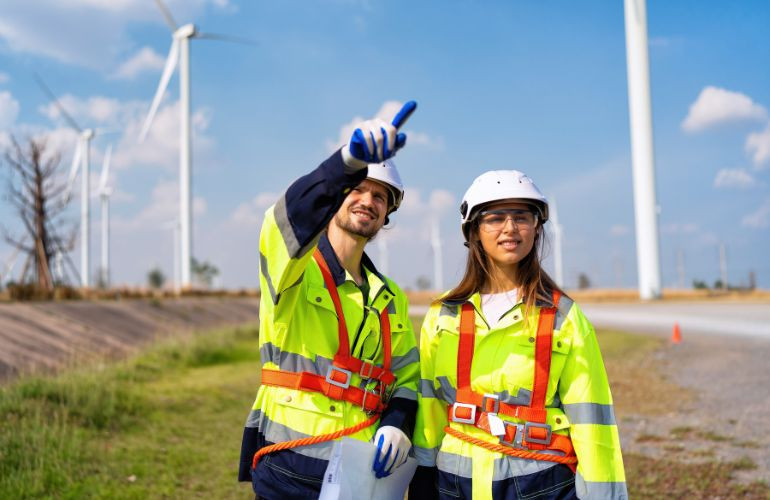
338,352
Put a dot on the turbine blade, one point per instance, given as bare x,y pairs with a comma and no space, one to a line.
55,101
171,62
226,38
105,170
167,15
73,172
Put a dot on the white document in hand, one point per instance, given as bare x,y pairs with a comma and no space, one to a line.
349,475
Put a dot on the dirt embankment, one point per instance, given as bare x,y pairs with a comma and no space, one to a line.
46,336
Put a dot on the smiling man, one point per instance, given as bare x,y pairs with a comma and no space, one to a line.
337,347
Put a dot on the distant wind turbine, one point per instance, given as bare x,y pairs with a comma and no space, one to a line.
557,243
81,159
10,262
104,195
382,246
180,54
435,243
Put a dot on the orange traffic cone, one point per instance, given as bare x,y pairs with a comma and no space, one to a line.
676,336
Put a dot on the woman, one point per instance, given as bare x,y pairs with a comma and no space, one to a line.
514,400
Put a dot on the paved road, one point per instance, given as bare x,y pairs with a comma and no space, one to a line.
694,318
698,318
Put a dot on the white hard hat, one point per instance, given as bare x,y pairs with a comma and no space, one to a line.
387,174
499,185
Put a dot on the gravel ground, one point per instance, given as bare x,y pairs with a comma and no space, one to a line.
729,416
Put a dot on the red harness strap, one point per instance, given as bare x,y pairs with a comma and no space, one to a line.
475,409
336,383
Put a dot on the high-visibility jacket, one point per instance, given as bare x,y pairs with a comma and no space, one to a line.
299,333
577,400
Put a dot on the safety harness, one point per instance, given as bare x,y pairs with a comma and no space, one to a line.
336,383
515,439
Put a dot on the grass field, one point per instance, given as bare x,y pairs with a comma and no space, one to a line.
167,424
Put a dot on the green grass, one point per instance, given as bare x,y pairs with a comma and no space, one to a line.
168,422
651,478
164,424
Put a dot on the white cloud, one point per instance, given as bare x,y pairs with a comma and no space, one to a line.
387,112
675,228
161,146
715,106
619,230
9,110
760,218
55,28
162,209
250,213
146,59
92,111
734,178
758,146
439,201
4,78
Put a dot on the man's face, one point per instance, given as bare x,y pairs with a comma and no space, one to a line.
364,210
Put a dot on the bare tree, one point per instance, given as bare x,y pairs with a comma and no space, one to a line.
38,193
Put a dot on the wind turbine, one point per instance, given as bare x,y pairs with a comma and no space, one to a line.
9,265
179,53
643,158
174,225
557,243
435,243
104,195
81,158
382,246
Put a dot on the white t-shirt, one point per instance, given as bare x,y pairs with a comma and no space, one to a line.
495,305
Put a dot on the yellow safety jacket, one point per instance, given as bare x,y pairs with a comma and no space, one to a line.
299,333
577,399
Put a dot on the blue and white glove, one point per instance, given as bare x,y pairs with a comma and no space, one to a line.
375,140
392,449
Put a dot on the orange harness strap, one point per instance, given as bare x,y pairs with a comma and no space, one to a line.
336,383
312,439
476,409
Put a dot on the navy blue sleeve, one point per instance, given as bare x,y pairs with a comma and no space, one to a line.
313,199
401,413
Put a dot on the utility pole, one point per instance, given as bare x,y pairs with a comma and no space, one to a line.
640,112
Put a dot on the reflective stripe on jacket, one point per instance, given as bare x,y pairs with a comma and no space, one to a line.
298,324
578,399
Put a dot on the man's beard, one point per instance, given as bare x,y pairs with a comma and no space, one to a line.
346,224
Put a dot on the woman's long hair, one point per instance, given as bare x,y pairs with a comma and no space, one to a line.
535,284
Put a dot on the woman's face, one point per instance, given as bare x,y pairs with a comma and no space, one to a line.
507,231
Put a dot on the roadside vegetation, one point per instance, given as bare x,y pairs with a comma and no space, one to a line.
167,424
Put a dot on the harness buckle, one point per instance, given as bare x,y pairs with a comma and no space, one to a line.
545,441
373,393
518,434
368,374
461,420
493,397
348,377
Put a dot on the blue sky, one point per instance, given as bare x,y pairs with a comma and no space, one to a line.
536,86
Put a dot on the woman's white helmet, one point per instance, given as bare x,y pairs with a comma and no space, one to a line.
499,185
387,174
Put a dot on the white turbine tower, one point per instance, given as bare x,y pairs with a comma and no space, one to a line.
104,195
174,226
382,247
80,160
180,54
557,243
640,113
9,265
438,265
